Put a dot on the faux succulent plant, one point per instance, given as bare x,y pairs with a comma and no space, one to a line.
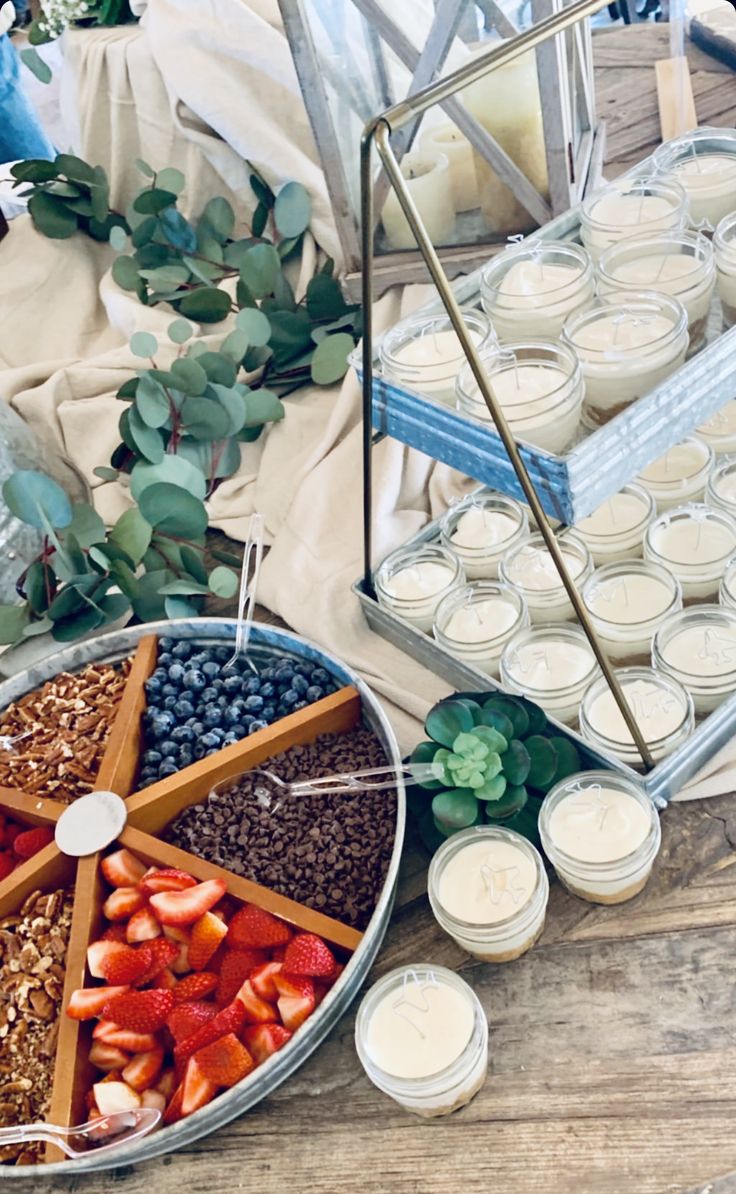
494,759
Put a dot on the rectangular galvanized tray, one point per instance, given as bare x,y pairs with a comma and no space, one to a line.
570,486
661,783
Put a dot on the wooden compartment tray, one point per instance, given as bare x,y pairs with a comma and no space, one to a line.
149,812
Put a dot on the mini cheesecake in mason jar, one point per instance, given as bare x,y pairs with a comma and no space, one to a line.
698,648
681,475
615,530
694,542
628,602
412,581
530,289
481,529
661,706
553,666
531,569
424,352
703,162
475,622
631,207
724,243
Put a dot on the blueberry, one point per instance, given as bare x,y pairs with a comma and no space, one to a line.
229,739
148,774
268,712
163,724
222,654
255,726
230,684
161,674
211,669
167,768
153,686
232,716
218,685
251,685
197,728
183,709
314,693
199,750
320,676
195,680
182,734
165,643
209,740
181,651
213,751
300,705
213,716
289,698
217,732
284,672
300,684
254,704
168,747
208,695
267,674
169,703
177,671
150,757
304,670
186,756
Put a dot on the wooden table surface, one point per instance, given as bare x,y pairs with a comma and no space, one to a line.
612,1044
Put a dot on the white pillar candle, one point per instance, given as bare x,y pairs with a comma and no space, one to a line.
422,1037
539,387
680,264
630,208
694,543
628,602
474,623
531,569
530,289
626,348
488,890
724,244
662,708
480,531
681,475
720,430
602,833
428,180
615,530
424,352
553,666
412,582
698,648
448,140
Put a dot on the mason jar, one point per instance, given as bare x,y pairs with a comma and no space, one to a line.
719,432
720,492
552,666
628,602
724,244
630,207
530,289
530,568
694,542
615,530
425,354
481,529
679,476
703,162
698,648
662,707
412,581
474,622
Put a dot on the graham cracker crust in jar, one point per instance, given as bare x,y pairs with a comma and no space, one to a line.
620,897
509,955
464,1098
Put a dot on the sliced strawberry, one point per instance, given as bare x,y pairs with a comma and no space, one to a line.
31,841
188,1018
122,1038
107,1057
235,969
162,953
165,981
165,879
307,954
262,1040
115,933
224,1061
184,907
11,833
122,869
126,965
122,903
173,1112
198,1090
207,933
143,1069
142,926
257,1010
167,1083
88,1002
140,1011
7,865
297,1000
98,951
262,980
195,986
154,1098
180,965
115,1096
253,926
182,936
278,954
230,1019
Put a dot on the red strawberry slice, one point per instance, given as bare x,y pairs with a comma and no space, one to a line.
262,980
123,1038
198,1090
167,1083
142,926
165,980
237,965
98,951
307,954
88,1002
122,869
140,1011
31,841
126,965
173,1112
184,907
112,1096
195,986
253,926
183,936
107,1057
225,1061
122,903
165,879
188,1018
154,1098
11,833
297,999
207,933
161,953
115,933
257,1010
262,1040
180,965
230,1019
143,1069
7,865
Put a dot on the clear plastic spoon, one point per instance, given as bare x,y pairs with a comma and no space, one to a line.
269,790
124,1126
253,550
8,741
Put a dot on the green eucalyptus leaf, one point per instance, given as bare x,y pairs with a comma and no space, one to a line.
325,298
180,607
184,588
74,168
126,579
144,230
455,809
223,582
446,720
262,191
289,245
13,620
173,470
218,368
146,439
234,252
148,604
260,219
86,525
42,626
194,563
189,376
166,277
37,500
204,271
233,404
143,344
34,170
173,511
256,358
206,305
262,406
235,345
146,170
212,459
260,269
151,401
284,298
118,237
66,630
180,331
330,360
203,418
114,606
36,65
70,599
243,296
292,210
39,586
132,534
153,200
177,230
171,180
52,216
290,334
220,217
125,273
106,474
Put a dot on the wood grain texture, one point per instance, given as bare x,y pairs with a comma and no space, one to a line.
120,760
675,97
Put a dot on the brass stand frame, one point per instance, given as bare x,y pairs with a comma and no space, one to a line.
379,132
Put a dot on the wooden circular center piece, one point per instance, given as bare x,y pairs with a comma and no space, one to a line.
90,823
